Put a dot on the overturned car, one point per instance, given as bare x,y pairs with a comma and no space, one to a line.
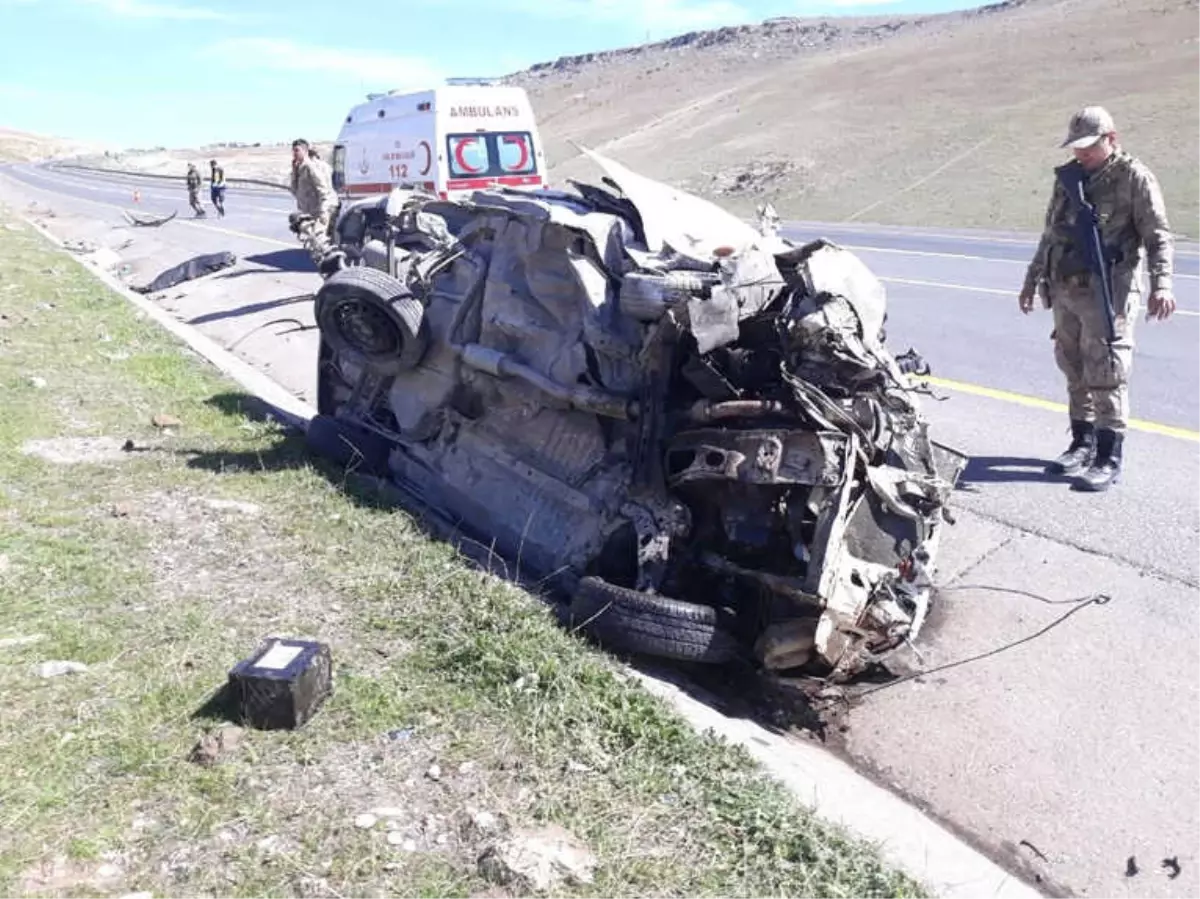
688,424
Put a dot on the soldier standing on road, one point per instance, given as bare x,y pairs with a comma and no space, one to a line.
1133,223
317,206
193,187
217,187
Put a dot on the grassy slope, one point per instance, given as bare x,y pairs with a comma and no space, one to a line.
124,563
866,124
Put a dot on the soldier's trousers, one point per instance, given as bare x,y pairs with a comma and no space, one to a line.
1097,376
314,235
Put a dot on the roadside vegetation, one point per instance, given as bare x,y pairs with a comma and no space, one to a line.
154,530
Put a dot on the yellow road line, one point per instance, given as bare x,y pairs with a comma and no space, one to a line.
1033,402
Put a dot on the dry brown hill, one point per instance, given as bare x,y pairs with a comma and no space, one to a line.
22,146
939,120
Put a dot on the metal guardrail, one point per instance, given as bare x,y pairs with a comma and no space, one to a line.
257,182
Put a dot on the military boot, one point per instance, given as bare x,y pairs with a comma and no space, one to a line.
1078,455
1105,470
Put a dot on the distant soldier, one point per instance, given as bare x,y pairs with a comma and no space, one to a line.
193,187
316,205
216,188
1134,230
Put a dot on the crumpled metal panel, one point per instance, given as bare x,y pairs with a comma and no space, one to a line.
774,456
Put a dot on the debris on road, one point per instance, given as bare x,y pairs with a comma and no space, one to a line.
196,267
1131,868
692,427
164,421
148,221
1172,866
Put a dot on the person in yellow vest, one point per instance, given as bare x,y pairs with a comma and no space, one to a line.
216,188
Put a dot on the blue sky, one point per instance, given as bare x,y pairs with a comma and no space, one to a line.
185,72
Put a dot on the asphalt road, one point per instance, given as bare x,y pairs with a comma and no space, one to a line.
1082,741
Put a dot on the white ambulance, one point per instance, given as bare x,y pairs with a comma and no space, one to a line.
462,136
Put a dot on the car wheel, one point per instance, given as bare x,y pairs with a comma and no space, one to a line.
369,315
637,622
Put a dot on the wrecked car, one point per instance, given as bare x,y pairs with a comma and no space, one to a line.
688,424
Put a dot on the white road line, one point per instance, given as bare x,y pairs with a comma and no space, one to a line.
1020,262
992,290
943,285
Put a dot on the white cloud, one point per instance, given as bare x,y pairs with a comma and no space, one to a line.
380,70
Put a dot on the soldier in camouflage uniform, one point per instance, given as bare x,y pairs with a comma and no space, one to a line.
317,206
193,188
1133,222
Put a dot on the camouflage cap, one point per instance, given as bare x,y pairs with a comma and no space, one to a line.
1087,126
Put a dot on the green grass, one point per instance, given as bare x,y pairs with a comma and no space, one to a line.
121,563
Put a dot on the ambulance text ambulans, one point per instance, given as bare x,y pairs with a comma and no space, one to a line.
455,138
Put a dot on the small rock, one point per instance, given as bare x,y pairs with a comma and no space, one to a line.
388,811
59,668
539,859
578,767
37,383
108,871
409,845
144,895
365,821
212,746
395,837
122,509
466,767
163,420
442,839
434,772
485,822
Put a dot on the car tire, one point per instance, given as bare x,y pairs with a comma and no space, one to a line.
643,623
371,316
347,445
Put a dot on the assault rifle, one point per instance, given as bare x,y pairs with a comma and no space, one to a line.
1087,235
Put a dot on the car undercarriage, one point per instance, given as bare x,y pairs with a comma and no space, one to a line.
691,426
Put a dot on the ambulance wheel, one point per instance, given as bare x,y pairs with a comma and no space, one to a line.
372,317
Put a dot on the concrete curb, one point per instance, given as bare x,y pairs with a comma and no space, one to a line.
906,837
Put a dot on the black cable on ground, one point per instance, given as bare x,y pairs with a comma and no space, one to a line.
1098,599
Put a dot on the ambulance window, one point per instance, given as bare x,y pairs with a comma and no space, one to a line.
339,167
516,153
468,155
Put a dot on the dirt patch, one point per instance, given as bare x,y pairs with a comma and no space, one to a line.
78,450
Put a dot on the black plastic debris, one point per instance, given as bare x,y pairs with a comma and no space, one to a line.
281,685
1131,867
196,267
1172,866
